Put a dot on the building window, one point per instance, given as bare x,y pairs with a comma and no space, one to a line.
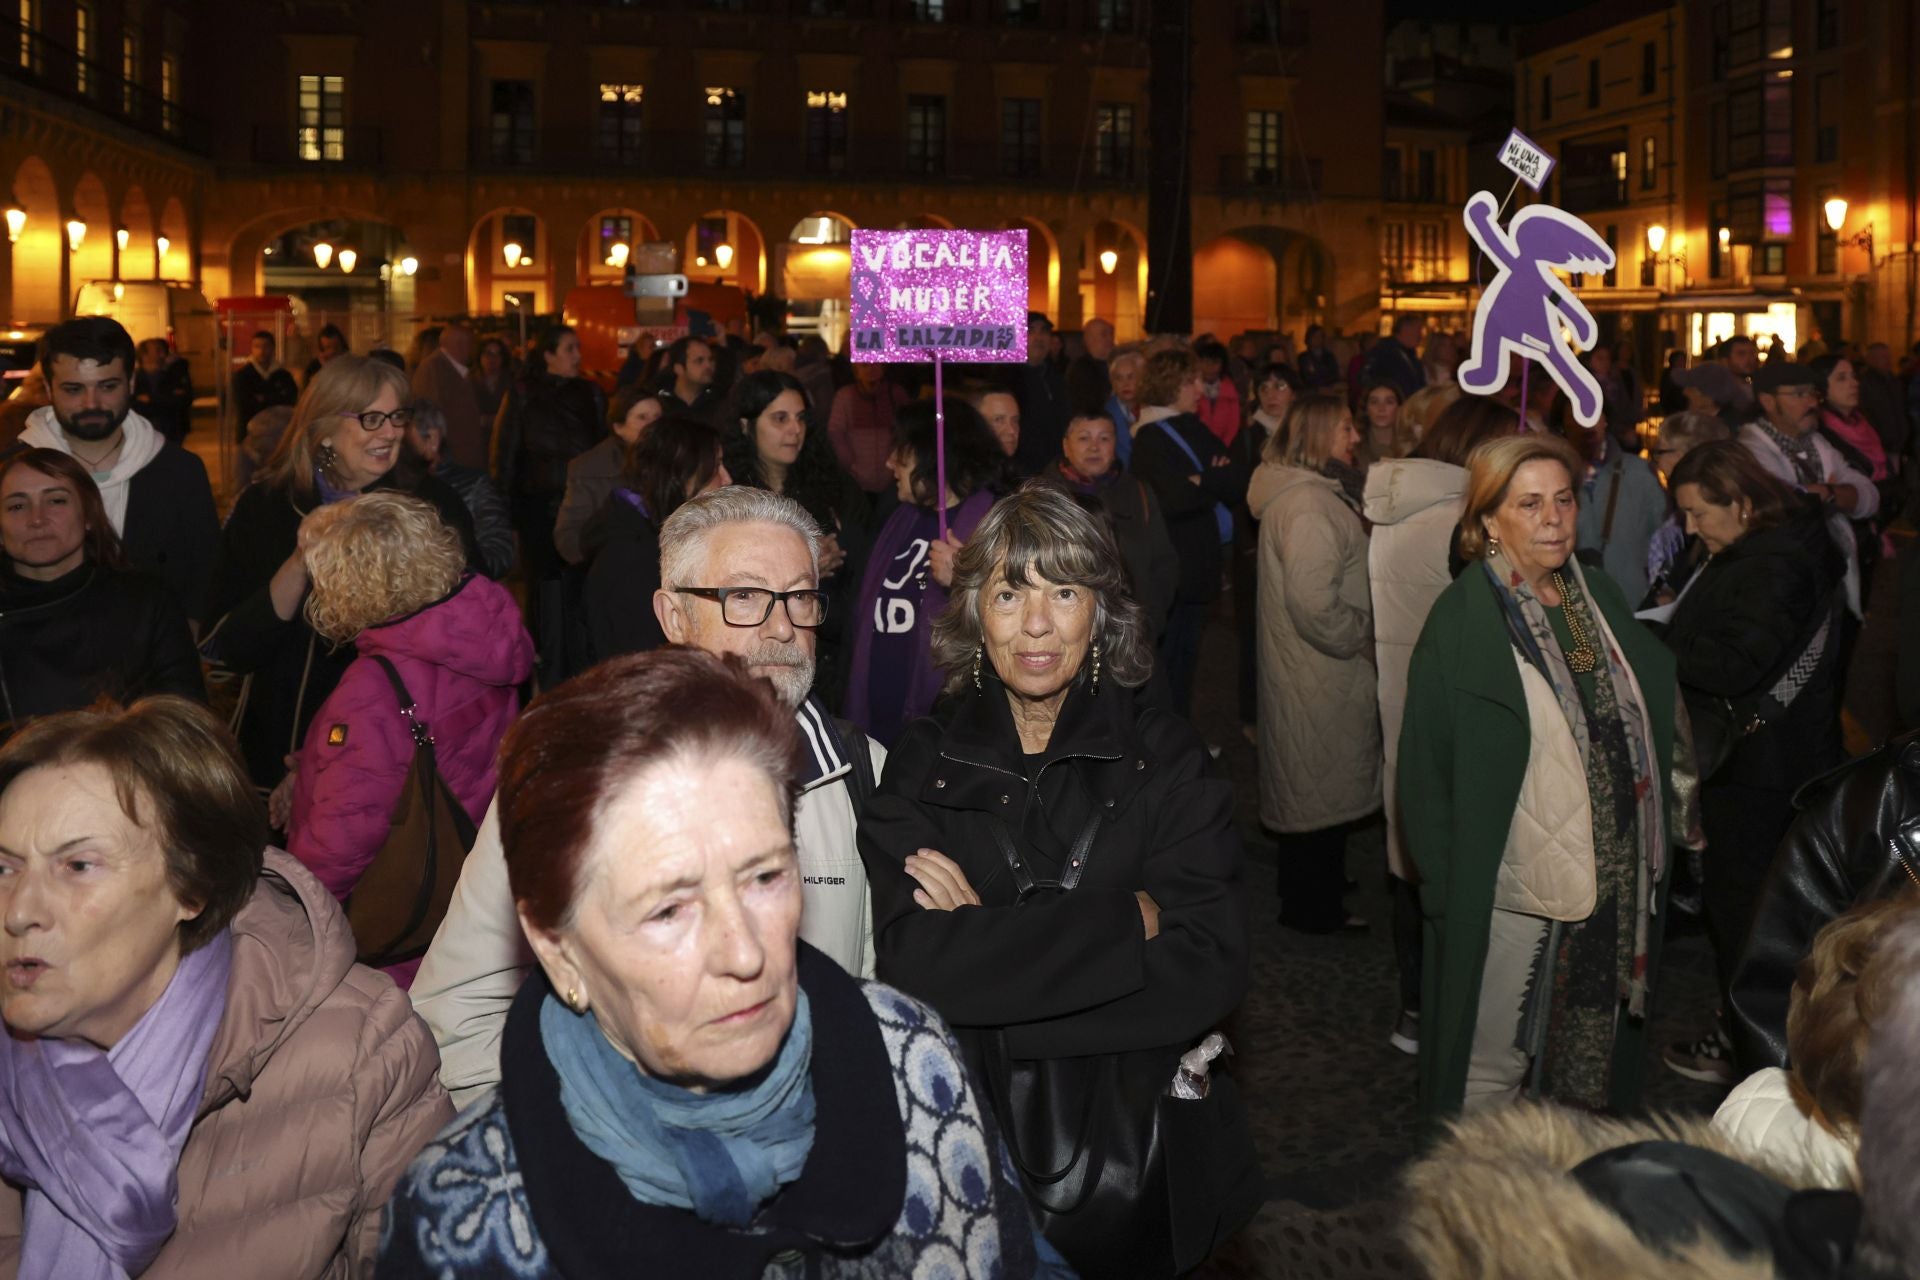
1019,137
1719,252
522,229
1717,140
1649,163
1617,165
1263,147
1020,13
725,117
129,72
321,133
1826,243
1429,255
1826,121
1648,265
1113,16
926,133
1390,180
1612,277
1593,83
29,51
1546,97
1393,249
1649,67
1113,140
620,107
169,93
1760,122
826,131
926,10
1427,177
511,122
1720,24
615,229
1773,260
1745,31
83,49
1826,23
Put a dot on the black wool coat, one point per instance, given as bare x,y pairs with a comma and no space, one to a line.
1064,974
1188,507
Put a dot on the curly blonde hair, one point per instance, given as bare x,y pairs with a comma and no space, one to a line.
376,558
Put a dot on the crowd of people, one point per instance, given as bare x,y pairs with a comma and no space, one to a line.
769,803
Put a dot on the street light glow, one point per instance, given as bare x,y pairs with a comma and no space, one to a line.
1726,237
409,265
1109,260
161,244
16,222
723,255
618,253
347,258
1836,211
511,252
76,233
322,255
120,237
1656,236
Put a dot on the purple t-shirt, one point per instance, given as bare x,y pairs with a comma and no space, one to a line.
897,622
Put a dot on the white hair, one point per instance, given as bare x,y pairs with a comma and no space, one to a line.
683,539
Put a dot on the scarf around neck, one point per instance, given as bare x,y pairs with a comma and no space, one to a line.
139,445
721,1154
95,1135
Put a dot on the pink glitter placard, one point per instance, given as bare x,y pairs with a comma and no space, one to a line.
961,294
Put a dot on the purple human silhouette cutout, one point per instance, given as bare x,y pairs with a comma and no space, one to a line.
1525,308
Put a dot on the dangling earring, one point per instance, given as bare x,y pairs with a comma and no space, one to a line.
1096,667
1493,545
977,653
325,458
573,999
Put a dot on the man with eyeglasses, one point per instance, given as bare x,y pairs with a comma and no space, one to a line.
156,493
739,568
1784,441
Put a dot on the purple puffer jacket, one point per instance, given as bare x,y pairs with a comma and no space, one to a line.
461,660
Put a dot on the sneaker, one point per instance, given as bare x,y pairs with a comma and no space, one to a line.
1708,1059
1406,1032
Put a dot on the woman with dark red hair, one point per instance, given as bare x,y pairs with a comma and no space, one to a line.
76,623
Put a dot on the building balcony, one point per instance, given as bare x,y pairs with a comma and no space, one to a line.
284,146
29,57
1286,181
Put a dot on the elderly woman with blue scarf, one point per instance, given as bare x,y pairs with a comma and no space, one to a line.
686,1088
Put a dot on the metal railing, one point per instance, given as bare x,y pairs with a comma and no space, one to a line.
29,56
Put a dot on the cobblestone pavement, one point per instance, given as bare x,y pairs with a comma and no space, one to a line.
1332,1102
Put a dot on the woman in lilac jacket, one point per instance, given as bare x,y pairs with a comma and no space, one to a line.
389,578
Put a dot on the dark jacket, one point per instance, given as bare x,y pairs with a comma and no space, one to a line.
622,580
1391,363
1065,974
1188,507
165,398
254,391
1146,548
1088,385
545,423
1044,412
91,633
1319,369
292,669
1739,627
1857,839
906,1175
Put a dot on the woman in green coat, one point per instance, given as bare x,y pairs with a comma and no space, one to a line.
1534,760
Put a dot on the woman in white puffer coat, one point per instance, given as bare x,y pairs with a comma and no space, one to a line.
1319,723
1414,504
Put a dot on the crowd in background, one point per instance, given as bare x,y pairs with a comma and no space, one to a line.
1588,675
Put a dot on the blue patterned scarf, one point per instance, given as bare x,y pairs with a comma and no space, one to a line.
721,1154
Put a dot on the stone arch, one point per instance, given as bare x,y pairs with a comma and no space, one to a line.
1259,278
823,226
924,222
591,256
93,260
137,260
176,263
491,283
40,254
733,235
1116,293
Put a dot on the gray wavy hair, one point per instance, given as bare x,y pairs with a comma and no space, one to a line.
683,538
1042,532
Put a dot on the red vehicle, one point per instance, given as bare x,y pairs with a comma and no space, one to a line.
607,321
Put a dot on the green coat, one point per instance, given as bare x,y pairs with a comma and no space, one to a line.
1463,755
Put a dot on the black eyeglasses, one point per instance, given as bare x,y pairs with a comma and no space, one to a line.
374,419
752,606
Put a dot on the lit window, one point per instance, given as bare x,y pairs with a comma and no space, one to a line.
82,49
1263,147
725,118
129,72
620,106
826,131
1113,140
321,131
169,93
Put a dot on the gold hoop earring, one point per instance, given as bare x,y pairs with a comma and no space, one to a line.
1096,667
978,654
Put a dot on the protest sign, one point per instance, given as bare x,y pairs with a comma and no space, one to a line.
939,295
1527,159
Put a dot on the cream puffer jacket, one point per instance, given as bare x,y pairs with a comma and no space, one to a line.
1319,696
1414,505
1761,1115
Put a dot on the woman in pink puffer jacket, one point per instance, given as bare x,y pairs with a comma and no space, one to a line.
388,576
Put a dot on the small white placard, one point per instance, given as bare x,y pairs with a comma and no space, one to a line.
1527,159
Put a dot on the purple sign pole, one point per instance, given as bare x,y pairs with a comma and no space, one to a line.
939,295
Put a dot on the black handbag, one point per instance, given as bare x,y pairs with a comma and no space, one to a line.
1124,1179
403,896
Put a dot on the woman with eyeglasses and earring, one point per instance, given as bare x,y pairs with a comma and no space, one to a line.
344,440
678,458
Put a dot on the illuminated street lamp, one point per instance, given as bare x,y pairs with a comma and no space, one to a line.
723,255
161,244
409,265
1656,236
76,233
322,255
120,237
347,258
16,223
1836,211
1726,236
618,253
512,253
1109,260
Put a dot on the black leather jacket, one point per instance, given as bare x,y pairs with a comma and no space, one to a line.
1857,838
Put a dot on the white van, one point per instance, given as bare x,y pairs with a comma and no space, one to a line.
170,309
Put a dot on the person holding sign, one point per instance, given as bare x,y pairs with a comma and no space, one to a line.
893,680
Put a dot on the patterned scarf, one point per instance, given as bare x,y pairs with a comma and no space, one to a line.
1800,451
1601,961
